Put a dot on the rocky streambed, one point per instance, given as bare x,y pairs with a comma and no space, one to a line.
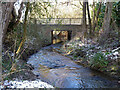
62,72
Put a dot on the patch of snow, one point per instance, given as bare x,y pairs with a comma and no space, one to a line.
116,49
98,47
115,53
25,84
115,57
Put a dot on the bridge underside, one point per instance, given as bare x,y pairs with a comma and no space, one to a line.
60,36
42,33
72,30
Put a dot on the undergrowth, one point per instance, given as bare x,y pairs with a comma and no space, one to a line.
98,61
10,58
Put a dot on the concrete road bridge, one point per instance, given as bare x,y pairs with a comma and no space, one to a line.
48,29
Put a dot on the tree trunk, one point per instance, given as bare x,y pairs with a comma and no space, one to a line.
6,16
89,17
96,21
106,23
15,19
98,12
84,26
107,17
1,29
93,23
24,28
1,42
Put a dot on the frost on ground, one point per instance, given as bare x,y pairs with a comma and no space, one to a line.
25,84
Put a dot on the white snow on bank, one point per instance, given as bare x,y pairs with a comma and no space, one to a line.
25,84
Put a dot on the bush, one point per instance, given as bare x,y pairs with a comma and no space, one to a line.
99,61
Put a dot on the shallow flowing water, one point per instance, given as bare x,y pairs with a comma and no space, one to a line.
62,72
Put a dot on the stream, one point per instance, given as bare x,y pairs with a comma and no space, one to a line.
62,72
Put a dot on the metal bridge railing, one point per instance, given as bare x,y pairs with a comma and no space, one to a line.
65,21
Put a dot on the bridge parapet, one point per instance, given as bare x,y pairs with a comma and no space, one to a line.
61,21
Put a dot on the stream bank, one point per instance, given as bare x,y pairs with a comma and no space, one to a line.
105,59
62,72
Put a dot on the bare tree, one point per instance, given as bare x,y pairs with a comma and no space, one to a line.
84,19
94,14
6,16
0,42
24,27
89,17
15,18
106,23
0,26
98,12
96,20
107,17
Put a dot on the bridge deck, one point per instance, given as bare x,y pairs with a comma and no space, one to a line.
63,21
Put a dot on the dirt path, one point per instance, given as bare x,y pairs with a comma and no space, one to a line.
62,72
